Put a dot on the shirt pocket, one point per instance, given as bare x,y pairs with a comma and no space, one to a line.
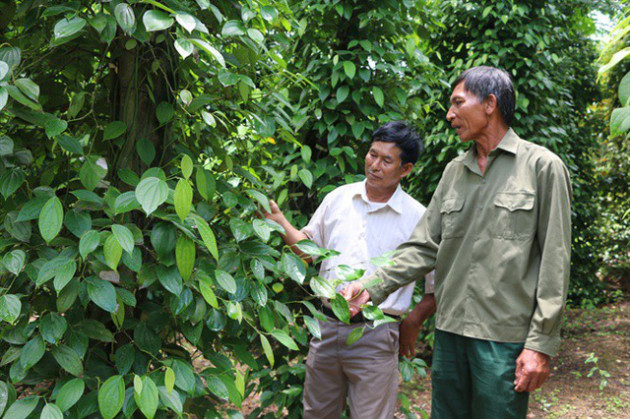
514,215
453,224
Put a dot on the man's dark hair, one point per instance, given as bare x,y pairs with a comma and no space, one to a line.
403,136
483,81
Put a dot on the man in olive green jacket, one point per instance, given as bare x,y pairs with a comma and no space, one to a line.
497,232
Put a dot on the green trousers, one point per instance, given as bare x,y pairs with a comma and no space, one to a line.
474,378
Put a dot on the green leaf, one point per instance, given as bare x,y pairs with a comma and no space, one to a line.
616,59
94,330
624,89
225,281
66,28
169,379
51,411
14,261
22,408
205,182
267,348
184,47
114,130
5,395
78,222
146,151
32,352
151,192
186,166
379,98
125,18
70,144
293,266
269,13
125,356
102,293
112,251
620,121
259,293
171,400
205,287
32,209
91,173
349,68
51,219
284,338
170,279
342,93
10,181
6,145
340,307
88,243
70,394
29,88
164,112
307,177
183,198
126,202
262,229
261,198
155,20
55,127
185,256
355,335
4,70
16,94
52,327
123,236
4,97
111,396
313,326
207,236
68,359
208,118
186,21
209,49
240,229
233,28
147,399
255,35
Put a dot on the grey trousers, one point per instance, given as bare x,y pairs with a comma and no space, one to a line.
365,372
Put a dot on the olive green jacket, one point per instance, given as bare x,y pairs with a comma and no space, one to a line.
500,243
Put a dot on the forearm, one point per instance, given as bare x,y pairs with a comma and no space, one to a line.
425,309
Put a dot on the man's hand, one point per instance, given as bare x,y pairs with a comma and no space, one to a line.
356,297
410,327
275,214
532,369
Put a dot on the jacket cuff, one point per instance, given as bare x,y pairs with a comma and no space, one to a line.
547,344
376,292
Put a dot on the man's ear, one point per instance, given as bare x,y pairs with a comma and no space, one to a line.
491,104
407,168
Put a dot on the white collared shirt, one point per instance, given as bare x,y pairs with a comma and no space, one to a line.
346,221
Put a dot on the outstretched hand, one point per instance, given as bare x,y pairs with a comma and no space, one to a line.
356,297
275,214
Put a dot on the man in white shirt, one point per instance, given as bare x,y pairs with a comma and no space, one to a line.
362,221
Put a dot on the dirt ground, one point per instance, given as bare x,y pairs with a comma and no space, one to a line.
595,342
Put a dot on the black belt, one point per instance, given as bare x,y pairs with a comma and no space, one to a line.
358,318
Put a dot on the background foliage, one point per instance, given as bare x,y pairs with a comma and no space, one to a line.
138,139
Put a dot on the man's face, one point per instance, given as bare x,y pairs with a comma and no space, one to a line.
383,166
466,114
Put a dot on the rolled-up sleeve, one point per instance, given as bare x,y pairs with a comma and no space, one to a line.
554,241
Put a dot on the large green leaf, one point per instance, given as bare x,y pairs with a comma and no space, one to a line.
620,121
186,21
340,308
125,18
151,192
155,20
170,279
123,236
207,236
78,222
66,28
164,112
184,47
379,97
293,266
267,349
4,97
22,408
147,398
102,293
51,219
111,396
32,352
30,89
68,359
209,49
55,126
355,335
91,173
112,251
10,181
14,261
624,89
313,326
185,252
114,130
205,287
10,307
51,411
183,198
88,243
225,281
70,394
52,327
284,338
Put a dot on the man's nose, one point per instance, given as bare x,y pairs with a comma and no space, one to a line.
450,114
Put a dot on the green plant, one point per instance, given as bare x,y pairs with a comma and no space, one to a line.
595,369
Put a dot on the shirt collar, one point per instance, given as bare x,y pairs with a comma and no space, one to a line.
508,143
395,202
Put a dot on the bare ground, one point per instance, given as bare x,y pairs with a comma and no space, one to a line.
596,342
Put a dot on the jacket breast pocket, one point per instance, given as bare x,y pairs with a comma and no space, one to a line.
453,224
515,217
